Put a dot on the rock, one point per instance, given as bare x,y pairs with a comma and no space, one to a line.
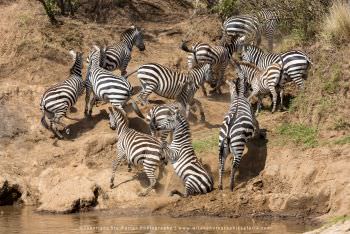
70,196
337,228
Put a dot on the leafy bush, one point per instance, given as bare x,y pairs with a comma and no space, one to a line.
226,8
337,23
299,134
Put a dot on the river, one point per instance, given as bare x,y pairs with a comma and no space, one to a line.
26,220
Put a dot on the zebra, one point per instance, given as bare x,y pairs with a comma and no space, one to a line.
243,26
253,26
261,81
172,84
183,158
295,64
158,113
238,127
58,99
218,56
137,148
103,85
119,55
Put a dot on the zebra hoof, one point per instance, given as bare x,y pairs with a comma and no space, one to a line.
220,187
111,186
67,131
202,119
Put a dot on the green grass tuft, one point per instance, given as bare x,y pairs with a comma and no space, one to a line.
300,134
206,144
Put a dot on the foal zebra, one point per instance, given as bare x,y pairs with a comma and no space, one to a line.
295,63
136,148
104,85
119,55
57,100
238,126
217,56
261,81
172,84
182,156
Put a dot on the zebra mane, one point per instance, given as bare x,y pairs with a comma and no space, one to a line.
127,32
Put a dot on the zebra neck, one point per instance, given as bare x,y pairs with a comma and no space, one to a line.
196,76
76,68
182,135
121,128
128,42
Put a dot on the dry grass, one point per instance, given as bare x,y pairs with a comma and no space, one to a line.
337,23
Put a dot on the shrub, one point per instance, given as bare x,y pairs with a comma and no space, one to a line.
343,141
300,134
226,8
337,23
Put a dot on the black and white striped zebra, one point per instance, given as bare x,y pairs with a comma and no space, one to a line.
295,64
137,148
103,85
217,56
182,156
243,26
157,114
238,127
261,81
269,20
58,99
119,55
173,85
252,27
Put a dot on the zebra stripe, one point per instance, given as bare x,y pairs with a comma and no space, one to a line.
269,21
247,26
57,100
238,126
295,64
261,81
137,148
217,56
119,55
187,166
103,85
172,84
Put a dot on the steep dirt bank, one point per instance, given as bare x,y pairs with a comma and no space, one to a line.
276,177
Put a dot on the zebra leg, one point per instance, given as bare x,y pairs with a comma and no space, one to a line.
54,129
149,170
222,158
143,96
204,90
274,98
201,110
258,107
232,177
115,163
89,100
282,107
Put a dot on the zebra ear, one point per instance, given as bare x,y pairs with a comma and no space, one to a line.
96,48
133,27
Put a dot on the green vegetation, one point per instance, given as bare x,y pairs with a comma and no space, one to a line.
343,141
300,134
336,28
331,85
226,8
341,124
206,144
337,219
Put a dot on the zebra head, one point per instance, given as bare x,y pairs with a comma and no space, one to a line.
133,36
170,121
251,53
77,67
117,118
208,72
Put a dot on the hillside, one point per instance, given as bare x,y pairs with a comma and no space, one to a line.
300,170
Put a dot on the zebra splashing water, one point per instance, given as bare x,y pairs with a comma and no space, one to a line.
103,85
58,99
173,85
182,156
118,56
238,127
137,148
217,56
295,64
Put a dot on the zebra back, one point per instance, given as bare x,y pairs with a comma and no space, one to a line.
133,36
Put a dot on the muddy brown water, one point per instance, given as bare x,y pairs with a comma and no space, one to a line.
26,220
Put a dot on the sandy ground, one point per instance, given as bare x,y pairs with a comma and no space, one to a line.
275,179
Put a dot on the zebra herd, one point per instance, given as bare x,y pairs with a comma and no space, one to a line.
258,73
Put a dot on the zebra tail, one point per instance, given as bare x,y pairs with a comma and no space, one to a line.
136,108
43,120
